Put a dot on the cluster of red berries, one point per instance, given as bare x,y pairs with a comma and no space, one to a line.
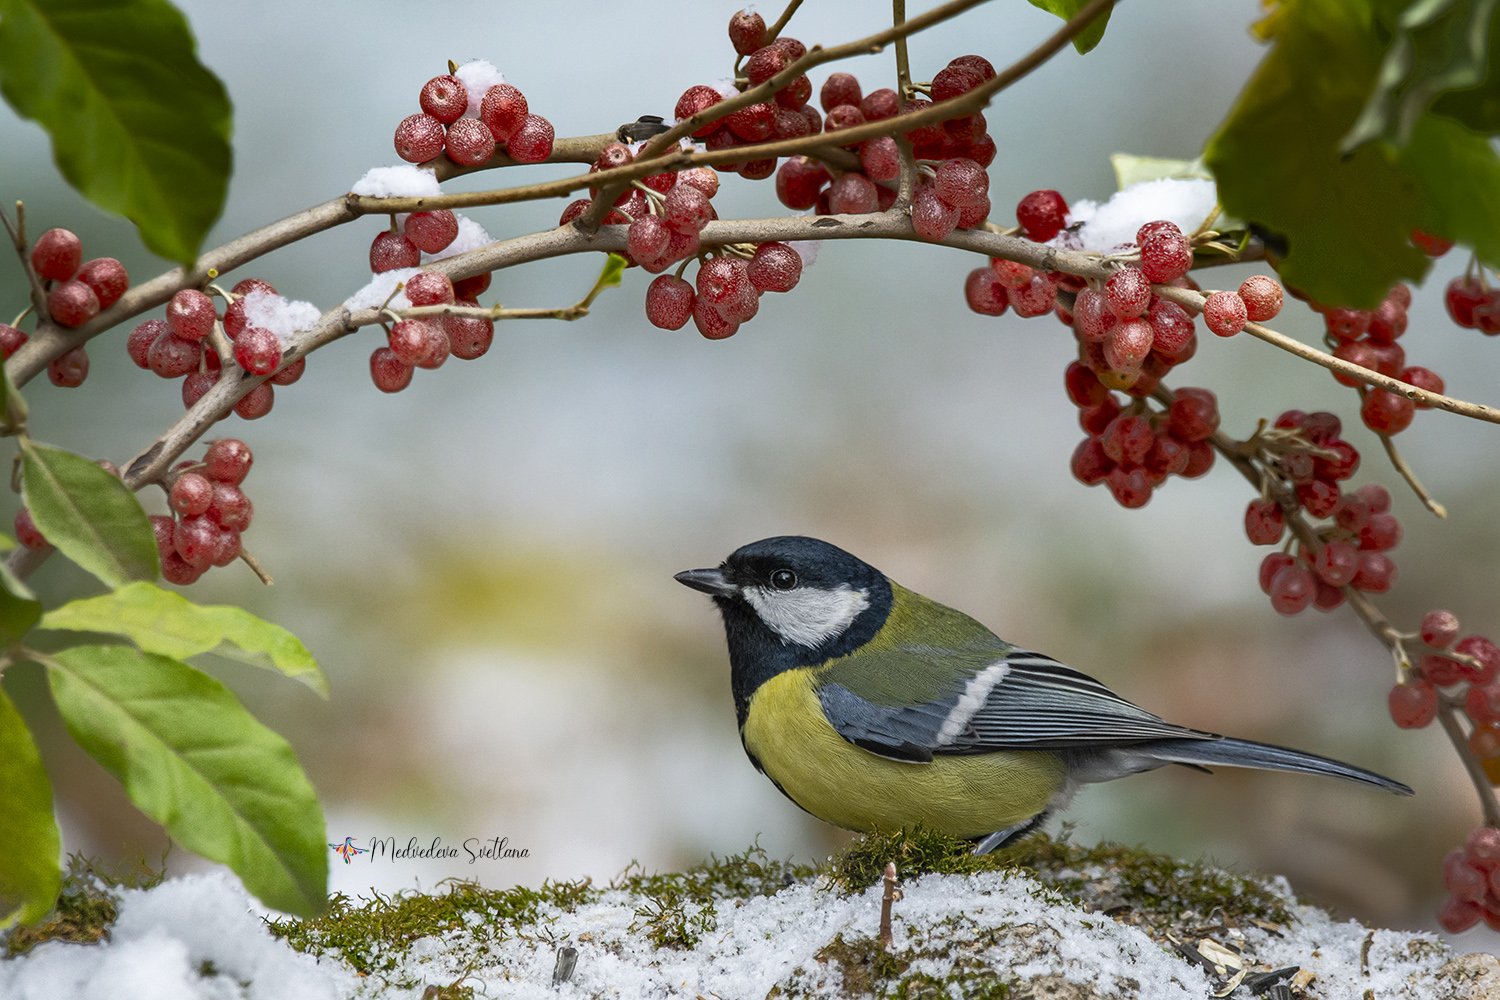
727,291
1367,337
1309,461
1133,450
431,231
416,342
1473,304
470,131
211,512
665,214
1471,874
179,346
77,291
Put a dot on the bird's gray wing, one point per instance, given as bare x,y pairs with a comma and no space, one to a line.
912,703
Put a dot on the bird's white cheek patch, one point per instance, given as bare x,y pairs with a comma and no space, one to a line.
976,692
808,616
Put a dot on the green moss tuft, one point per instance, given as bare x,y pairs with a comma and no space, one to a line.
372,935
86,907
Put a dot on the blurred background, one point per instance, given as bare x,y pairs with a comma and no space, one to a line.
483,563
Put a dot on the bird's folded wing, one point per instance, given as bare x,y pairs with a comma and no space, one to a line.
914,702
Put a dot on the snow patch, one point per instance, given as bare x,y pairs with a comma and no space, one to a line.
402,181
478,76
471,236
283,317
379,288
807,250
1185,202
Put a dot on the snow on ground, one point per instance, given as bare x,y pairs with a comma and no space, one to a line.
199,938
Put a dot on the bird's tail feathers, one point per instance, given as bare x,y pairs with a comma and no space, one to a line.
1247,753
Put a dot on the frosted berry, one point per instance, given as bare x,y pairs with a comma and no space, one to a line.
72,303
1439,628
107,277
532,142
961,182
56,255
470,142
1036,298
776,267
228,460
256,403
931,217
412,340
429,288
503,110
1166,256
1422,378
696,99
389,373
711,323
753,123
469,337
840,88
431,231
1128,293
985,295
390,251
686,209
289,373
880,158
1126,345
172,357
799,182
953,81
191,494
852,194
419,138
1042,214
257,350
444,98
1262,297
1225,313
747,32
1171,328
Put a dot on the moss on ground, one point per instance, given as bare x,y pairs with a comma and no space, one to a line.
86,907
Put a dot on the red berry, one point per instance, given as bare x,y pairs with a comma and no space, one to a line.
256,403
390,251
389,372
469,337
1271,565
880,104
1462,296
444,98
172,357
696,99
419,138
931,217
776,267
503,110
1037,298
27,533
1090,465
1193,415
1486,657
961,182
753,123
191,494
1171,328
258,351
1126,344
1336,563
1166,256
1385,412
1380,532
11,340
1225,313
1439,628
471,287
953,81
1262,297
1128,293
669,302
107,277
852,194
469,142
1412,705
840,88
56,255
1376,573
196,386
1130,488
289,373
986,296
532,142
429,288
686,209
72,303
229,507
1264,522
1042,214
720,280
711,323
1432,246
431,231
747,32
1292,589
1319,497
1482,702
1422,378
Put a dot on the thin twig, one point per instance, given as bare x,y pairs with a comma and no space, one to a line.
255,566
775,30
17,232
1194,300
903,64
1398,462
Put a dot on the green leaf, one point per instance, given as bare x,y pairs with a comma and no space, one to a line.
1459,174
13,410
614,269
168,624
1478,106
1439,46
29,840
192,758
1065,9
89,515
1347,220
1131,169
139,126
19,608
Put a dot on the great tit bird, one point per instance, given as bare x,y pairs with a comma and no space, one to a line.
873,707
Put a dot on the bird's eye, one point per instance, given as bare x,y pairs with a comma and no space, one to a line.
783,579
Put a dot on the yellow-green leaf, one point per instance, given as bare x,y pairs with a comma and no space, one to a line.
160,621
29,840
192,758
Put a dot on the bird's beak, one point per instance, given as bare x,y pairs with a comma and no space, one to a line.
711,581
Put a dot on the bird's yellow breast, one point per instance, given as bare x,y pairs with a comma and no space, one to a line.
966,796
